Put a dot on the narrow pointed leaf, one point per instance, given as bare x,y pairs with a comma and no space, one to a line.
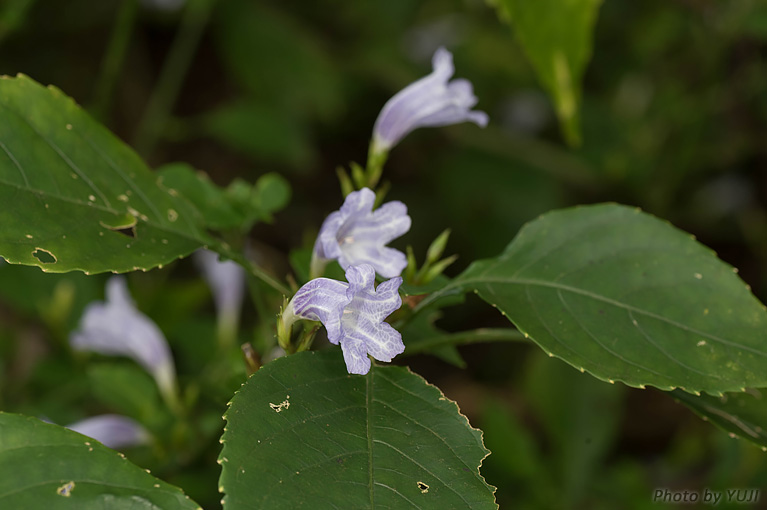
303,433
77,198
557,38
627,297
47,466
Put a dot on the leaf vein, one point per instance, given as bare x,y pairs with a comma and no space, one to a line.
612,302
444,484
596,340
398,493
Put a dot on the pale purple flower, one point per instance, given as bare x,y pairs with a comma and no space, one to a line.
356,234
353,315
117,328
226,280
429,102
112,430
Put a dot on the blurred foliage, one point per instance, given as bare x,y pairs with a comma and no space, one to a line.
556,36
673,119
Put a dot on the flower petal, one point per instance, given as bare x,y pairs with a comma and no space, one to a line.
381,340
393,123
355,356
226,280
326,246
117,328
390,221
363,316
428,102
112,430
366,299
388,262
322,299
117,293
361,279
442,64
358,203
356,234
385,301
353,314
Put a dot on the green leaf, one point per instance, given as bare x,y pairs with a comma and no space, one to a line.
47,466
127,389
303,433
420,330
238,206
741,415
196,186
557,38
271,193
627,297
77,198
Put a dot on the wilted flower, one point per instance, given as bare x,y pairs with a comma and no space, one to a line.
356,234
226,280
353,315
429,102
117,328
112,430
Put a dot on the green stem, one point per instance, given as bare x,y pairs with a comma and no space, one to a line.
114,58
228,324
265,277
174,71
169,391
307,337
317,267
449,289
376,160
251,266
464,338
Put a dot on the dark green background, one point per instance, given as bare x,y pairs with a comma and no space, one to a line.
674,120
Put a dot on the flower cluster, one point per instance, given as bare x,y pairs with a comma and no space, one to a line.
353,313
356,235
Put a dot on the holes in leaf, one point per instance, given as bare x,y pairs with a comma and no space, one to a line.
129,232
125,225
44,256
66,489
424,488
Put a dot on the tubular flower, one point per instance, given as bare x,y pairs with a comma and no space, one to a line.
112,430
353,315
356,234
117,328
429,102
226,280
